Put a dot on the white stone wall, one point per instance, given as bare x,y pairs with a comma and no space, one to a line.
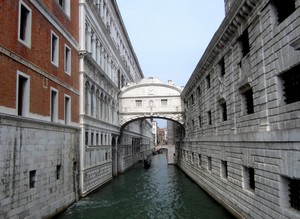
266,140
28,145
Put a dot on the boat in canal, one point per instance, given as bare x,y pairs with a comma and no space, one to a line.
147,163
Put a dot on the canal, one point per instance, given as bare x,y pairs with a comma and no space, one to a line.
161,192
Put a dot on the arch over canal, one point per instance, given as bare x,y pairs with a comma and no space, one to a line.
151,98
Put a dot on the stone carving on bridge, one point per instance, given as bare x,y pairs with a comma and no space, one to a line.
159,101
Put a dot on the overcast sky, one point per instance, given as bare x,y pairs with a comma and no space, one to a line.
170,36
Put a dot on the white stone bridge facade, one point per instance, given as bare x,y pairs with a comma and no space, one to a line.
151,98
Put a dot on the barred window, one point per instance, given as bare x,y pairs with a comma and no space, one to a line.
138,103
291,85
294,193
164,102
244,43
249,179
223,107
248,97
283,8
222,67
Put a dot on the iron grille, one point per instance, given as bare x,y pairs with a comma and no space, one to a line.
294,189
291,84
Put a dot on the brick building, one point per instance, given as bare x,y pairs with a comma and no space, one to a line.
39,106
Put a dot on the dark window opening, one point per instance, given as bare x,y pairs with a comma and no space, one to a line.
244,42
291,85
192,98
32,178
294,193
53,105
209,117
209,165
283,8
58,170
248,95
225,169
21,94
54,48
67,110
222,67
200,121
92,138
224,111
198,91
199,160
208,81
24,23
251,178
249,181
86,138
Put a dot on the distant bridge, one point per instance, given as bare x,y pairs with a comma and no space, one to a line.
151,98
158,147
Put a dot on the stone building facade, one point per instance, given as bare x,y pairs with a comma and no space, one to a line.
242,107
107,63
39,113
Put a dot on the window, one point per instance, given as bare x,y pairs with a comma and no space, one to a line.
193,124
249,182
192,98
32,178
58,170
67,110
291,85
283,8
198,91
223,108
291,192
86,138
222,67
248,101
207,81
209,164
92,138
54,49
53,105
224,169
97,138
24,31
209,118
23,93
67,60
244,43
164,102
192,158
200,121
138,103
199,160
65,5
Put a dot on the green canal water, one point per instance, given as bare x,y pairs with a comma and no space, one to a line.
161,192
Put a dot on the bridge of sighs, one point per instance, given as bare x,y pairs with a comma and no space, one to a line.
151,98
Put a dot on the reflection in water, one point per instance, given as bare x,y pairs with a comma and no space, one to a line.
161,192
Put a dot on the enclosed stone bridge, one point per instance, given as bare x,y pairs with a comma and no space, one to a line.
151,98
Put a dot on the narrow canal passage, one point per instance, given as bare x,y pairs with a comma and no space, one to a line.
161,192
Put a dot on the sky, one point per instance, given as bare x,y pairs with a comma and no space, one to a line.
170,36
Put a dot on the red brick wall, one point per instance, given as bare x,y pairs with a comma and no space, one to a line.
38,55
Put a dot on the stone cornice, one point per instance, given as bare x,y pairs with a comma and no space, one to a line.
239,11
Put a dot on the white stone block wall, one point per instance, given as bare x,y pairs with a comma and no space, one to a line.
28,145
266,140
